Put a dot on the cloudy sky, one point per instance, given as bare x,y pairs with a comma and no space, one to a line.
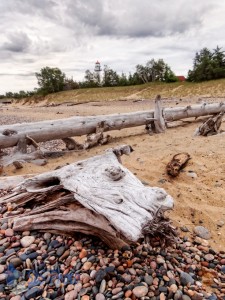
73,34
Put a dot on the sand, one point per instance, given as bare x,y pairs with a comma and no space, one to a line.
198,201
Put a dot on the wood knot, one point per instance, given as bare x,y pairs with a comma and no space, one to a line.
115,173
8,132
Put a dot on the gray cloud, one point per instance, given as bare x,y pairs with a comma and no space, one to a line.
17,42
147,18
73,34
18,74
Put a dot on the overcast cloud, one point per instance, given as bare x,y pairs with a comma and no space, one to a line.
73,34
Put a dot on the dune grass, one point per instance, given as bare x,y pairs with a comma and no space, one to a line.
214,88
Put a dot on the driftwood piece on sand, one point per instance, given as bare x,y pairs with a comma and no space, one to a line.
211,126
97,196
98,137
177,163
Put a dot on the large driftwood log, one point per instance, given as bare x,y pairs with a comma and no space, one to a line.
211,126
77,126
97,196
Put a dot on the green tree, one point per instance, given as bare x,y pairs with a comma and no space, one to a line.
110,77
91,79
9,95
123,81
155,70
169,75
208,65
70,84
50,80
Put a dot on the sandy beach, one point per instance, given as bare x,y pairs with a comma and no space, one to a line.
199,198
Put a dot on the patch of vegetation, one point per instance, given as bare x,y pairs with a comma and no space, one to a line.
208,65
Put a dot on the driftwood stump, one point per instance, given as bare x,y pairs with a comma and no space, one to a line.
211,126
97,196
159,122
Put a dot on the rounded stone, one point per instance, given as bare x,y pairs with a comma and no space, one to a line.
173,288
178,295
87,265
116,290
71,295
2,269
128,294
9,232
60,251
102,286
160,260
99,296
25,233
16,298
162,296
26,241
202,232
185,279
3,277
47,236
16,262
148,279
85,278
70,287
209,257
140,291
186,297
83,253
153,265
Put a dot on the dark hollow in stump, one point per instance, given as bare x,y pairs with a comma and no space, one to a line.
177,163
97,196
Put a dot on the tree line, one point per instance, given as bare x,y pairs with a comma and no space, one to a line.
52,80
207,65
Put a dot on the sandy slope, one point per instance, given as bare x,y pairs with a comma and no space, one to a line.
198,201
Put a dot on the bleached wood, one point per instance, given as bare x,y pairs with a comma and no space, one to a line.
10,182
78,126
75,126
103,188
159,122
96,138
210,126
20,157
193,111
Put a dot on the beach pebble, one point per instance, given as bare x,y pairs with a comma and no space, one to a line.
26,241
202,232
140,291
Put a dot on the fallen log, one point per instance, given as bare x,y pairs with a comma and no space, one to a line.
97,196
211,126
78,126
